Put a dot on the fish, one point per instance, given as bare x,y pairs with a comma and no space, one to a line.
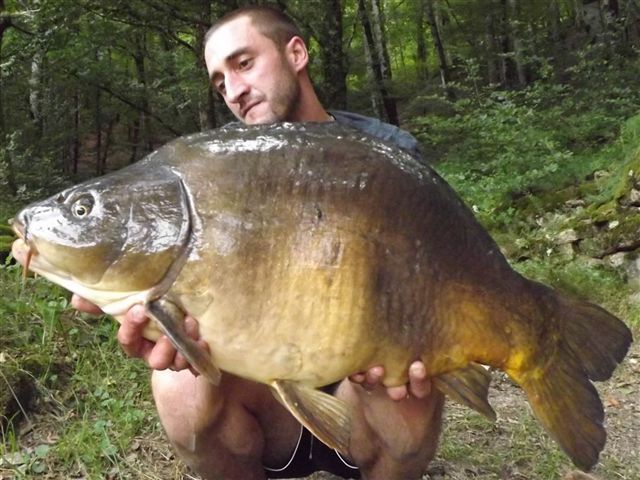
311,251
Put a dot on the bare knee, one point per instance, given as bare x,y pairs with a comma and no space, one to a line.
187,405
393,440
213,428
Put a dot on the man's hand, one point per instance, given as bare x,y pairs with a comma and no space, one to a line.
419,385
159,355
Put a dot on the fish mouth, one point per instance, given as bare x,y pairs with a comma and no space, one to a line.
18,228
21,249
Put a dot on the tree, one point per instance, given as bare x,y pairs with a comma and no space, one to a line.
442,57
376,53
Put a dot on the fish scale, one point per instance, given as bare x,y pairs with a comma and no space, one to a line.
308,252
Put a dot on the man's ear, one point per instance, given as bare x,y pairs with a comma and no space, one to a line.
297,54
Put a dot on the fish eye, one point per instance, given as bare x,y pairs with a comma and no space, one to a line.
82,207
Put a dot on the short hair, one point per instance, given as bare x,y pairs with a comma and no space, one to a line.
270,22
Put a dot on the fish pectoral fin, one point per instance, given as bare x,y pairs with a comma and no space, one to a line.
170,318
326,416
468,386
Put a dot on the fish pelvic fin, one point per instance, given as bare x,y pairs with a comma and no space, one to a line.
591,344
468,386
324,415
170,317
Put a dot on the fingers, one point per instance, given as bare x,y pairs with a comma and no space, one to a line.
130,333
160,355
397,393
191,327
84,305
369,379
163,355
419,384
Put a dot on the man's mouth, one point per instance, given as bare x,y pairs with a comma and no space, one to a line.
246,109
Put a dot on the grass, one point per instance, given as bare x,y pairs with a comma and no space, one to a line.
86,403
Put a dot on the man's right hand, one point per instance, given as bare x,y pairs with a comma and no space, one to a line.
159,355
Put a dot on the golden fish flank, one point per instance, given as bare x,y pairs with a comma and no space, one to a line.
306,259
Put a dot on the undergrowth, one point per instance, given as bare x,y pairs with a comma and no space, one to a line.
72,368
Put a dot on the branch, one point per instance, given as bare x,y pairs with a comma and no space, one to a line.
170,9
136,21
128,102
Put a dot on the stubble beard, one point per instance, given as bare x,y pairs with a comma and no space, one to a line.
286,98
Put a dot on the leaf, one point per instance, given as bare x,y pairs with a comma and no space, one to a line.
41,451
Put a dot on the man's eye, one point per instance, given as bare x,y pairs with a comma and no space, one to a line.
243,64
220,87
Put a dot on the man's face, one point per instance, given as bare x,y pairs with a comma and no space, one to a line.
254,77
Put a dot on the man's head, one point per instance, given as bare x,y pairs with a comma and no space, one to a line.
257,60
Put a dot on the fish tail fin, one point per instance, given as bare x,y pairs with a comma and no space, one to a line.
568,406
598,339
592,343
468,386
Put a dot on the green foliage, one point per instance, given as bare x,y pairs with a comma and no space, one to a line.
505,145
75,364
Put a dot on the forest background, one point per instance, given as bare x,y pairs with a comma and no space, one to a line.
530,109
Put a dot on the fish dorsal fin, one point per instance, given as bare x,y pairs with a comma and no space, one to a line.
170,317
468,386
325,416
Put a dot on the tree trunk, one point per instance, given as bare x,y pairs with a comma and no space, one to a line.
334,88
134,139
554,16
139,57
75,142
107,141
35,91
493,69
382,53
631,15
442,56
515,31
206,106
422,74
6,160
578,18
388,102
5,22
98,129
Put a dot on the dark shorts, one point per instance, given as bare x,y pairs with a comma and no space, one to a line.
311,455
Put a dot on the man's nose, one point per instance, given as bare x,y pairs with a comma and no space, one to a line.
236,87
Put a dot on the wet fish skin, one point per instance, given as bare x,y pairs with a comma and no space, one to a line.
312,252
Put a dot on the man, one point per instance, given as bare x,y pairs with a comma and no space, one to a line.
257,61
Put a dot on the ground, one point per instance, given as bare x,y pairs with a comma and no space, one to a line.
514,448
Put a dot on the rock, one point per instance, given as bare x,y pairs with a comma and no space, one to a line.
575,202
566,250
566,236
634,197
629,263
617,260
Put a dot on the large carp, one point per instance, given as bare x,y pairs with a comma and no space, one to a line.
310,252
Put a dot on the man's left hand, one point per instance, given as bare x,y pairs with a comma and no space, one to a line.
418,386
